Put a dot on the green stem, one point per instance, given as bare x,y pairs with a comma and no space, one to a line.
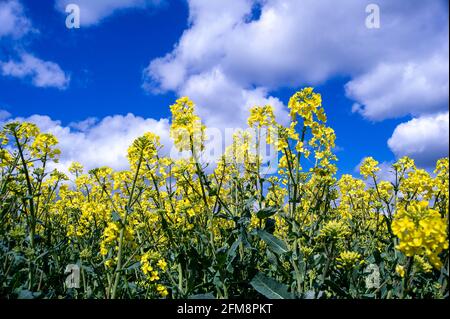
122,231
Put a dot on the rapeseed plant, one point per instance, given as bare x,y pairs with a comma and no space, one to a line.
167,228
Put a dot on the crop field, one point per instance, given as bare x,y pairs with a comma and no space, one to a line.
173,228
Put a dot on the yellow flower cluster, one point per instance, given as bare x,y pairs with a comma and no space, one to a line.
162,290
25,130
442,175
284,135
187,131
369,167
76,169
147,268
145,147
400,270
110,235
306,103
422,265
261,116
418,182
239,151
334,231
5,158
354,197
421,231
348,259
44,144
151,265
404,164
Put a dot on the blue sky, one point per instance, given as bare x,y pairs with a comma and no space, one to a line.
385,90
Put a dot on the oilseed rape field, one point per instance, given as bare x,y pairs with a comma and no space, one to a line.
171,228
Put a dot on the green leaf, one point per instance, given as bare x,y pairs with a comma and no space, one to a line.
270,288
270,225
336,288
88,269
267,212
116,217
275,244
232,251
272,258
136,265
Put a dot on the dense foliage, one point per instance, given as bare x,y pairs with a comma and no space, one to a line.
170,228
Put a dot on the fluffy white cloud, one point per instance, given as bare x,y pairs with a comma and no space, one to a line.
96,143
94,11
425,139
223,103
83,125
42,73
14,26
293,42
397,89
259,46
102,143
13,21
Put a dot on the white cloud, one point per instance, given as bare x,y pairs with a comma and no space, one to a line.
94,11
15,24
386,172
13,21
425,139
84,125
295,43
100,144
42,73
4,115
223,103
96,143
397,89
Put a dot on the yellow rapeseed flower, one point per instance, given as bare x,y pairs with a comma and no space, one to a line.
348,259
400,270
421,231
